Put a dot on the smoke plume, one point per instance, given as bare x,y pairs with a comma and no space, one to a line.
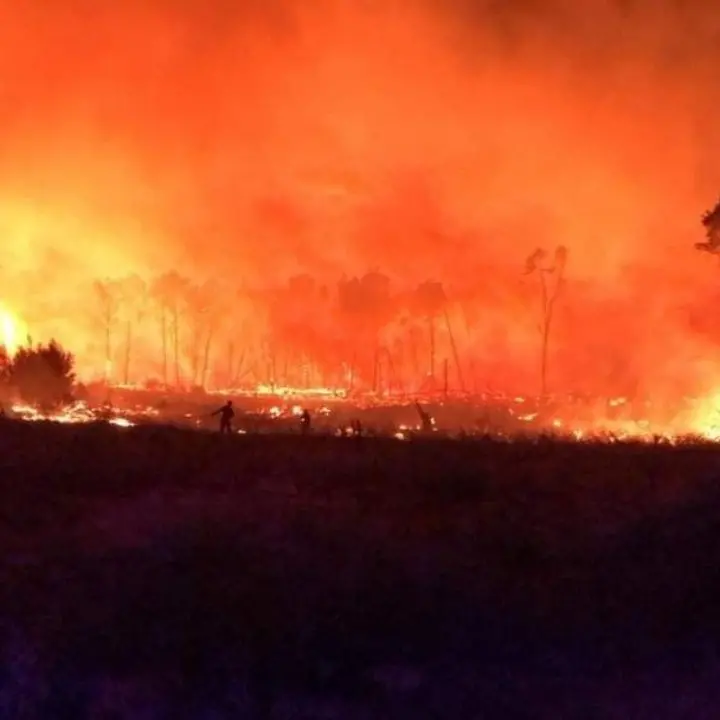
428,139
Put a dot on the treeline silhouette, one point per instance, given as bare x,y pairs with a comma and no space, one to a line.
511,331
303,333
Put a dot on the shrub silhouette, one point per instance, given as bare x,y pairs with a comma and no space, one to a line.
42,375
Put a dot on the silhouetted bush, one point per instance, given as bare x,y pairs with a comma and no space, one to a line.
42,375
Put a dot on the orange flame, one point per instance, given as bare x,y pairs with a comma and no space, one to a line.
12,331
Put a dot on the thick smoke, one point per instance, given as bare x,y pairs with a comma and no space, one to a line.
424,138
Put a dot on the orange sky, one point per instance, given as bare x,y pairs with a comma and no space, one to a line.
429,139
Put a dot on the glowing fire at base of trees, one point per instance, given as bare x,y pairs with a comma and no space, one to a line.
699,419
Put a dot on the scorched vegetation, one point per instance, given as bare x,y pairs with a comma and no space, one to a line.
40,375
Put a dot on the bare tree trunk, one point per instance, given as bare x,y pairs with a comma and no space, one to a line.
548,313
273,378
394,378
431,328
195,363
230,359
455,353
376,371
351,380
305,370
128,345
545,337
415,362
163,330
196,360
176,346
206,358
108,349
238,370
544,360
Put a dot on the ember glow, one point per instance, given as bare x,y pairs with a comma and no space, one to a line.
185,184
699,421
77,413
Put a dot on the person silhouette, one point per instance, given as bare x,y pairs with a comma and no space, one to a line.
426,421
305,422
226,414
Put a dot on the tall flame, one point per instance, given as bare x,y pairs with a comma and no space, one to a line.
12,331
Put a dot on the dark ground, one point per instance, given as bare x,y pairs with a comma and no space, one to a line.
158,573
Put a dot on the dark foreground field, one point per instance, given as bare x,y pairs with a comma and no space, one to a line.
153,573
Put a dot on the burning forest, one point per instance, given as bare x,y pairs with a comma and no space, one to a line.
477,202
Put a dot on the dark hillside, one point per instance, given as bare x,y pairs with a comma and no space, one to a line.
158,573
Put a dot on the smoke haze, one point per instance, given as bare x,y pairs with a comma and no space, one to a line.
427,139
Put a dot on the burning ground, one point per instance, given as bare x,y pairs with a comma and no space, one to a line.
277,411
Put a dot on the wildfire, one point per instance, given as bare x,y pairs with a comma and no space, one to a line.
706,418
286,391
12,331
77,413
700,419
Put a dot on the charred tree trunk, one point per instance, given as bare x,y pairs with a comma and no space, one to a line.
164,331
230,359
549,294
431,329
108,351
548,299
195,362
272,370
305,370
394,381
376,371
237,373
415,362
128,350
351,379
206,358
545,337
456,355
176,346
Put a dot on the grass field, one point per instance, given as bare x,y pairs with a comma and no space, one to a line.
158,573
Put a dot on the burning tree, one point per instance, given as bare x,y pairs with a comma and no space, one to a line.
108,296
133,304
169,292
365,306
204,313
42,375
552,281
711,223
430,302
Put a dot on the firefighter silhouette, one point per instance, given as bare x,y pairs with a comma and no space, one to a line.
226,414
305,422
